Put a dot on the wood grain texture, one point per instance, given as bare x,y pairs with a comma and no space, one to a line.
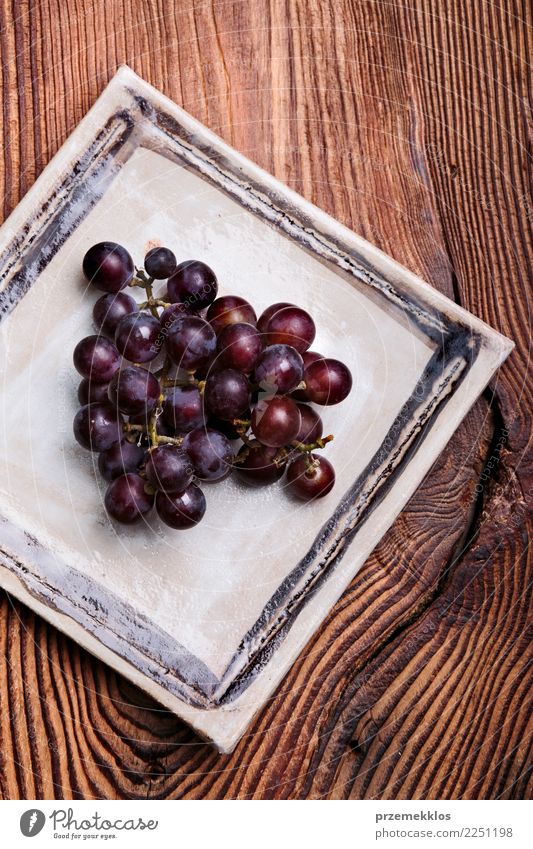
411,127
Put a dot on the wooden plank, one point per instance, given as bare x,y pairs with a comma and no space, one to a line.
411,127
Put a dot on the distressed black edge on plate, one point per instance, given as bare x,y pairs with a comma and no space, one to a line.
46,231
456,349
169,664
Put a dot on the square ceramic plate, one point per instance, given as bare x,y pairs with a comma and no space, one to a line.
209,620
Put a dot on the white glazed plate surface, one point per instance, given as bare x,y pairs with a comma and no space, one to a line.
209,620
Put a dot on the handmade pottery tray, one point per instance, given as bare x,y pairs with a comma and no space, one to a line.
208,621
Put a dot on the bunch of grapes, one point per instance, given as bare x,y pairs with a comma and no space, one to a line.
169,384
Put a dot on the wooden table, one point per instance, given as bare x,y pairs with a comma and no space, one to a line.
410,126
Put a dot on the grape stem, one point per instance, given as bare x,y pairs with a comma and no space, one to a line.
140,280
242,435
281,457
283,453
170,440
141,277
146,283
153,302
152,429
154,437
312,446
150,299
310,465
242,455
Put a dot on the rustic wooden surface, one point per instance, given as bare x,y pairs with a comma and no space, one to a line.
408,122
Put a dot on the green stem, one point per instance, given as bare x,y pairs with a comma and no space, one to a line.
150,299
153,302
281,457
152,430
241,456
170,440
312,446
133,428
146,283
310,465
138,281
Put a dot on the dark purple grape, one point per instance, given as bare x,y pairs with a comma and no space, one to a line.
308,484
265,316
126,499
258,467
191,342
308,357
230,309
227,394
240,346
183,408
121,458
311,357
134,390
327,381
160,263
108,266
311,427
169,468
279,368
109,309
137,337
193,283
168,318
170,314
276,421
181,510
97,358
291,326
98,426
210,453
89,391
